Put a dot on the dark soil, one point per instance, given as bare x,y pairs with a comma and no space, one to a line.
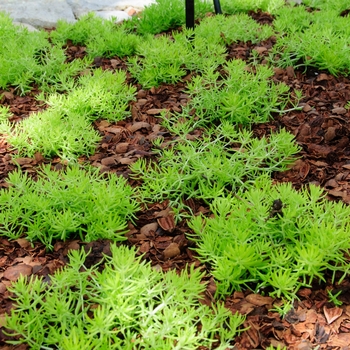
321,128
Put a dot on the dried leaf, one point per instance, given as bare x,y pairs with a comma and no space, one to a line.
13,272
332,314
342,340
24,243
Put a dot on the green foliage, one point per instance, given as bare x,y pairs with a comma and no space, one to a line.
236,6
278,348
4,114
101,37
248,242
62,204
240,96
337,5
128,305
19,48
54,131
52,134
161,60
102,94
226,30
318,39
164,15
283,308
333,298
209,167
27,57
166,59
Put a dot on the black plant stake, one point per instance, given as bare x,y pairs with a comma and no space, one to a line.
217,7
190,12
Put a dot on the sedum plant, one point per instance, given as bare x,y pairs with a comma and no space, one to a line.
28,57
54,131
166,59
128,305
316,39
273,236
161,60
240,96
236,6
163,15
4,114
101,37
210,167
103,94
226,30
338,5
50,134
59,205
18,50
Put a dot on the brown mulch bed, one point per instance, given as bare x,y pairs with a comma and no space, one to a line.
321,128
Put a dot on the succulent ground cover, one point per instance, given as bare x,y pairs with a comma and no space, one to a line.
224,149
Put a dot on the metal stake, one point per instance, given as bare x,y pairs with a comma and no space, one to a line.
190,14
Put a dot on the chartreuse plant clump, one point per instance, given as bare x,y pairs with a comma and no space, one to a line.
128,305
101,94
239,96
337,5
62,204
236,6
167,59
318,39
214,165
102,38
28,57
164,14
273,237
64,129
51,134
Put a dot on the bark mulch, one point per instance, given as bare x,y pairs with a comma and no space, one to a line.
321,128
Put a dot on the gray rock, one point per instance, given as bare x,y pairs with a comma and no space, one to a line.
46,13
26,25
109,5
119,15
38,13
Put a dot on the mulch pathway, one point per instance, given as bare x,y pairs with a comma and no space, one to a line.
321,128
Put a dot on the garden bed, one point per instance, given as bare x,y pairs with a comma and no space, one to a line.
176,116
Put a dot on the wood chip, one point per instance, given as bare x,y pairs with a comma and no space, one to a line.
167,223
259,300
171,251
154,111
121,147
22,161
140,125
339,110
146,229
